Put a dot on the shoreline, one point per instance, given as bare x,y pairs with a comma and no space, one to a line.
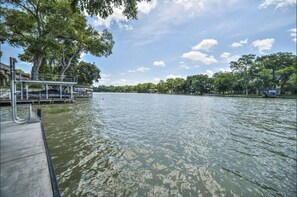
213,95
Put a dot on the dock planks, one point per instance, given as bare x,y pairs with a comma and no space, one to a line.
24,164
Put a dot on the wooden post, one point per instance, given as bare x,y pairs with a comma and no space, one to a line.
61,91
46,91
22,91
71,91
27,89
39,113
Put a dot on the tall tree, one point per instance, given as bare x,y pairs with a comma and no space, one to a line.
243,66
199,83
86,73
74,36
223,81
284,76
25,25
31,24
162,86
104,8
275,62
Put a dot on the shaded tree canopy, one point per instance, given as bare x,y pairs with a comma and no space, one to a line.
51,30
85,72
250,75
104,8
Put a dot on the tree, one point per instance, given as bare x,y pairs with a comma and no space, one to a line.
36,26
223,81
104,8
74,36
199,83
284,75
171,85
243,66
19,71
25,25
179,85
86,73
262,80
275,62
162,86
291,85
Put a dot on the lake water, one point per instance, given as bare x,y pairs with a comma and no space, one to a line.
169,145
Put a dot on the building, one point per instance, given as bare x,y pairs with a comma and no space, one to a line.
5,75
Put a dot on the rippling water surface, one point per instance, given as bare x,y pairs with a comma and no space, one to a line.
168,145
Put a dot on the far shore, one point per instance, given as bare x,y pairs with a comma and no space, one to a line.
292,96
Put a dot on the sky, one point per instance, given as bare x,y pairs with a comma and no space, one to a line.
178,38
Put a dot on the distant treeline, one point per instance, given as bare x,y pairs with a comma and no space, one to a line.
249,75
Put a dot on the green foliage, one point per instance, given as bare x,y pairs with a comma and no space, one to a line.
19,71
104,8
86,73
250,74
243,66
199,84
52,32
224,81
162,87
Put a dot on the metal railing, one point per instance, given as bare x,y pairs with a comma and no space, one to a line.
51,77
15,117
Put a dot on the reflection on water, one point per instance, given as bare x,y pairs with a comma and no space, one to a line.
165,145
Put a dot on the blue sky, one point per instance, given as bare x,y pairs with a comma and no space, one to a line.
177,38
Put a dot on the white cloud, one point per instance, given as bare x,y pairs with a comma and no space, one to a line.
205,44
185,67
174,13
200,5
293,34
119,18
146,7
120,82
159,63
226,56
198,56
187,4
125,27
225,69
240,43
171,76
26,63
263,45
116,17
141,69
277,3
209,73
104,79
156,79
82,55
181,62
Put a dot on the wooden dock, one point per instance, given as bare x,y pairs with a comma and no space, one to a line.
25,161
7,102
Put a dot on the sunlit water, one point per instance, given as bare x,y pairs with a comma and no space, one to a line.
168,145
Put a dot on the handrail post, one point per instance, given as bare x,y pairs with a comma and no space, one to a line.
15,118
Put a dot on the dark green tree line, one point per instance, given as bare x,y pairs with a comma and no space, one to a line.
249,75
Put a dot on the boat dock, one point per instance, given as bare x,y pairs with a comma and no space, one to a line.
26,167
7,102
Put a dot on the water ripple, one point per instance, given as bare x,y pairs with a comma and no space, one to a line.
164,145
